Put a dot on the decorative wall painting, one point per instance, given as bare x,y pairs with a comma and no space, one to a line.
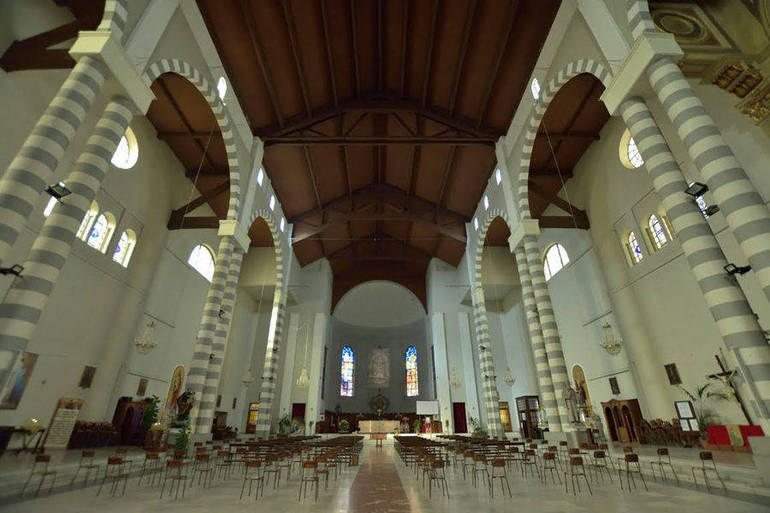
17,380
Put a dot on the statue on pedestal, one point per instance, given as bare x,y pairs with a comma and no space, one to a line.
575,404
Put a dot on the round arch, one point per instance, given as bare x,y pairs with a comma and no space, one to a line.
209,93
481,237
566,74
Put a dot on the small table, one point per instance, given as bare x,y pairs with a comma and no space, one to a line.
378,438
28,437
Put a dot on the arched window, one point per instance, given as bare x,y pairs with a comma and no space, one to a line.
49,206
202,260
535,88
657,231
555,260
412,386
347,366
221,88
634,250
125,248
629,152
88,221
127,152
101,232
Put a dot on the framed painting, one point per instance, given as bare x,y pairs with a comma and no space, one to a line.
17,380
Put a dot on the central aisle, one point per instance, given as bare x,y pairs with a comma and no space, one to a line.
377,487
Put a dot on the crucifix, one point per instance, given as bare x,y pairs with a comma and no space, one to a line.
725,377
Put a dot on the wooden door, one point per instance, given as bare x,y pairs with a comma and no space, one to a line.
458,415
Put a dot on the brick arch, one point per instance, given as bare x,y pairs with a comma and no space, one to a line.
209,92
482,236
267,216
547,95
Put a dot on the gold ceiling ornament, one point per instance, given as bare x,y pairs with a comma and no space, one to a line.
453,382
303,381
509,380
611,343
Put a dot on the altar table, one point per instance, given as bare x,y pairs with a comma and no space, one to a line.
378,426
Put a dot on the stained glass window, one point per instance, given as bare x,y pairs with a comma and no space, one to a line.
412,386
634,249
634,157
657,231
347,365
555,259
124,248
101,232
88,220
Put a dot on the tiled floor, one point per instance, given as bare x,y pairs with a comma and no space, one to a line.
382,484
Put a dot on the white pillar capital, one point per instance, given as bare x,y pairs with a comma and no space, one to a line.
525,227
631,79
232,228
124,79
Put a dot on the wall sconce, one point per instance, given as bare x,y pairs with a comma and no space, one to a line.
58,190
15,269
733,269
696,189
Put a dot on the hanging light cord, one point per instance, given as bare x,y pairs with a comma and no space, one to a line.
558,171
198,171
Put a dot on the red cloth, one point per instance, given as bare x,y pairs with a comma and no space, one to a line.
718,435
748,431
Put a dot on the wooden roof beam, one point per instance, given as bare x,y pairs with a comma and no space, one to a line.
374,141
329,56
288,18
460,64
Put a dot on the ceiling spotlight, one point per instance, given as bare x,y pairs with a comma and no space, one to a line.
711,210
733,269
58,190
15,269
696,189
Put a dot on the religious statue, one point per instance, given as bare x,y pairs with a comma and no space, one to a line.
574,403
184,404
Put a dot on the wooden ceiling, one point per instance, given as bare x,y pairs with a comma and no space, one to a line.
497,233
571,123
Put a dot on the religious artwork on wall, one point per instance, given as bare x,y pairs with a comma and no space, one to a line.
379,367
412,385
142,388
673,374
62,423
17,380
174,390
347,363
614,386
87,376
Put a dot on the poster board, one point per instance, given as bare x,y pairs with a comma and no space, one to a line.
686,413
427,407
62,423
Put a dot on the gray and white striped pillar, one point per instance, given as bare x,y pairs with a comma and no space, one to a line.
733,315
745,212
219,347
484,344
33,167
204,344
272,352
551,339
544,381
27,297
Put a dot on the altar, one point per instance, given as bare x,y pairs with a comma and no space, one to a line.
378,426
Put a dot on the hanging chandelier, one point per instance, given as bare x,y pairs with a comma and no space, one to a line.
144,343
453,382
610,343
509,380
303,381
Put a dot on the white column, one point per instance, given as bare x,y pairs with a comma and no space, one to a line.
314,406
287,383
442,371
469,373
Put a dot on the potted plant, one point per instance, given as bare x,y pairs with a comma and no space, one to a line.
704,393
417,424
283,425
476,429
150,424
182,440
344,425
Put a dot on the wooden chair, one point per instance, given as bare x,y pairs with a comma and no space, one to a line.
224,463
175,470
468,462
87,463
599,464
632,467
480,467
576,471
40,468
549,463
151,464
438,474
252,471
308,477
704,457
530,462
498,472
271,467
116,469
202,467
661,463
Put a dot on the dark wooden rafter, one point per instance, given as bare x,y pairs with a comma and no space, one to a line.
461,55
329,55
380,46
404,45
379,246
177,218
429,60
577,217
35,52
492,77
374,141
194,223
288,18
356,72
267,77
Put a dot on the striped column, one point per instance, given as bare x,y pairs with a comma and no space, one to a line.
734,318
27,297
550,330
33,167
745,212
204,344
272,352
114,17
484,343
544,381
221,335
